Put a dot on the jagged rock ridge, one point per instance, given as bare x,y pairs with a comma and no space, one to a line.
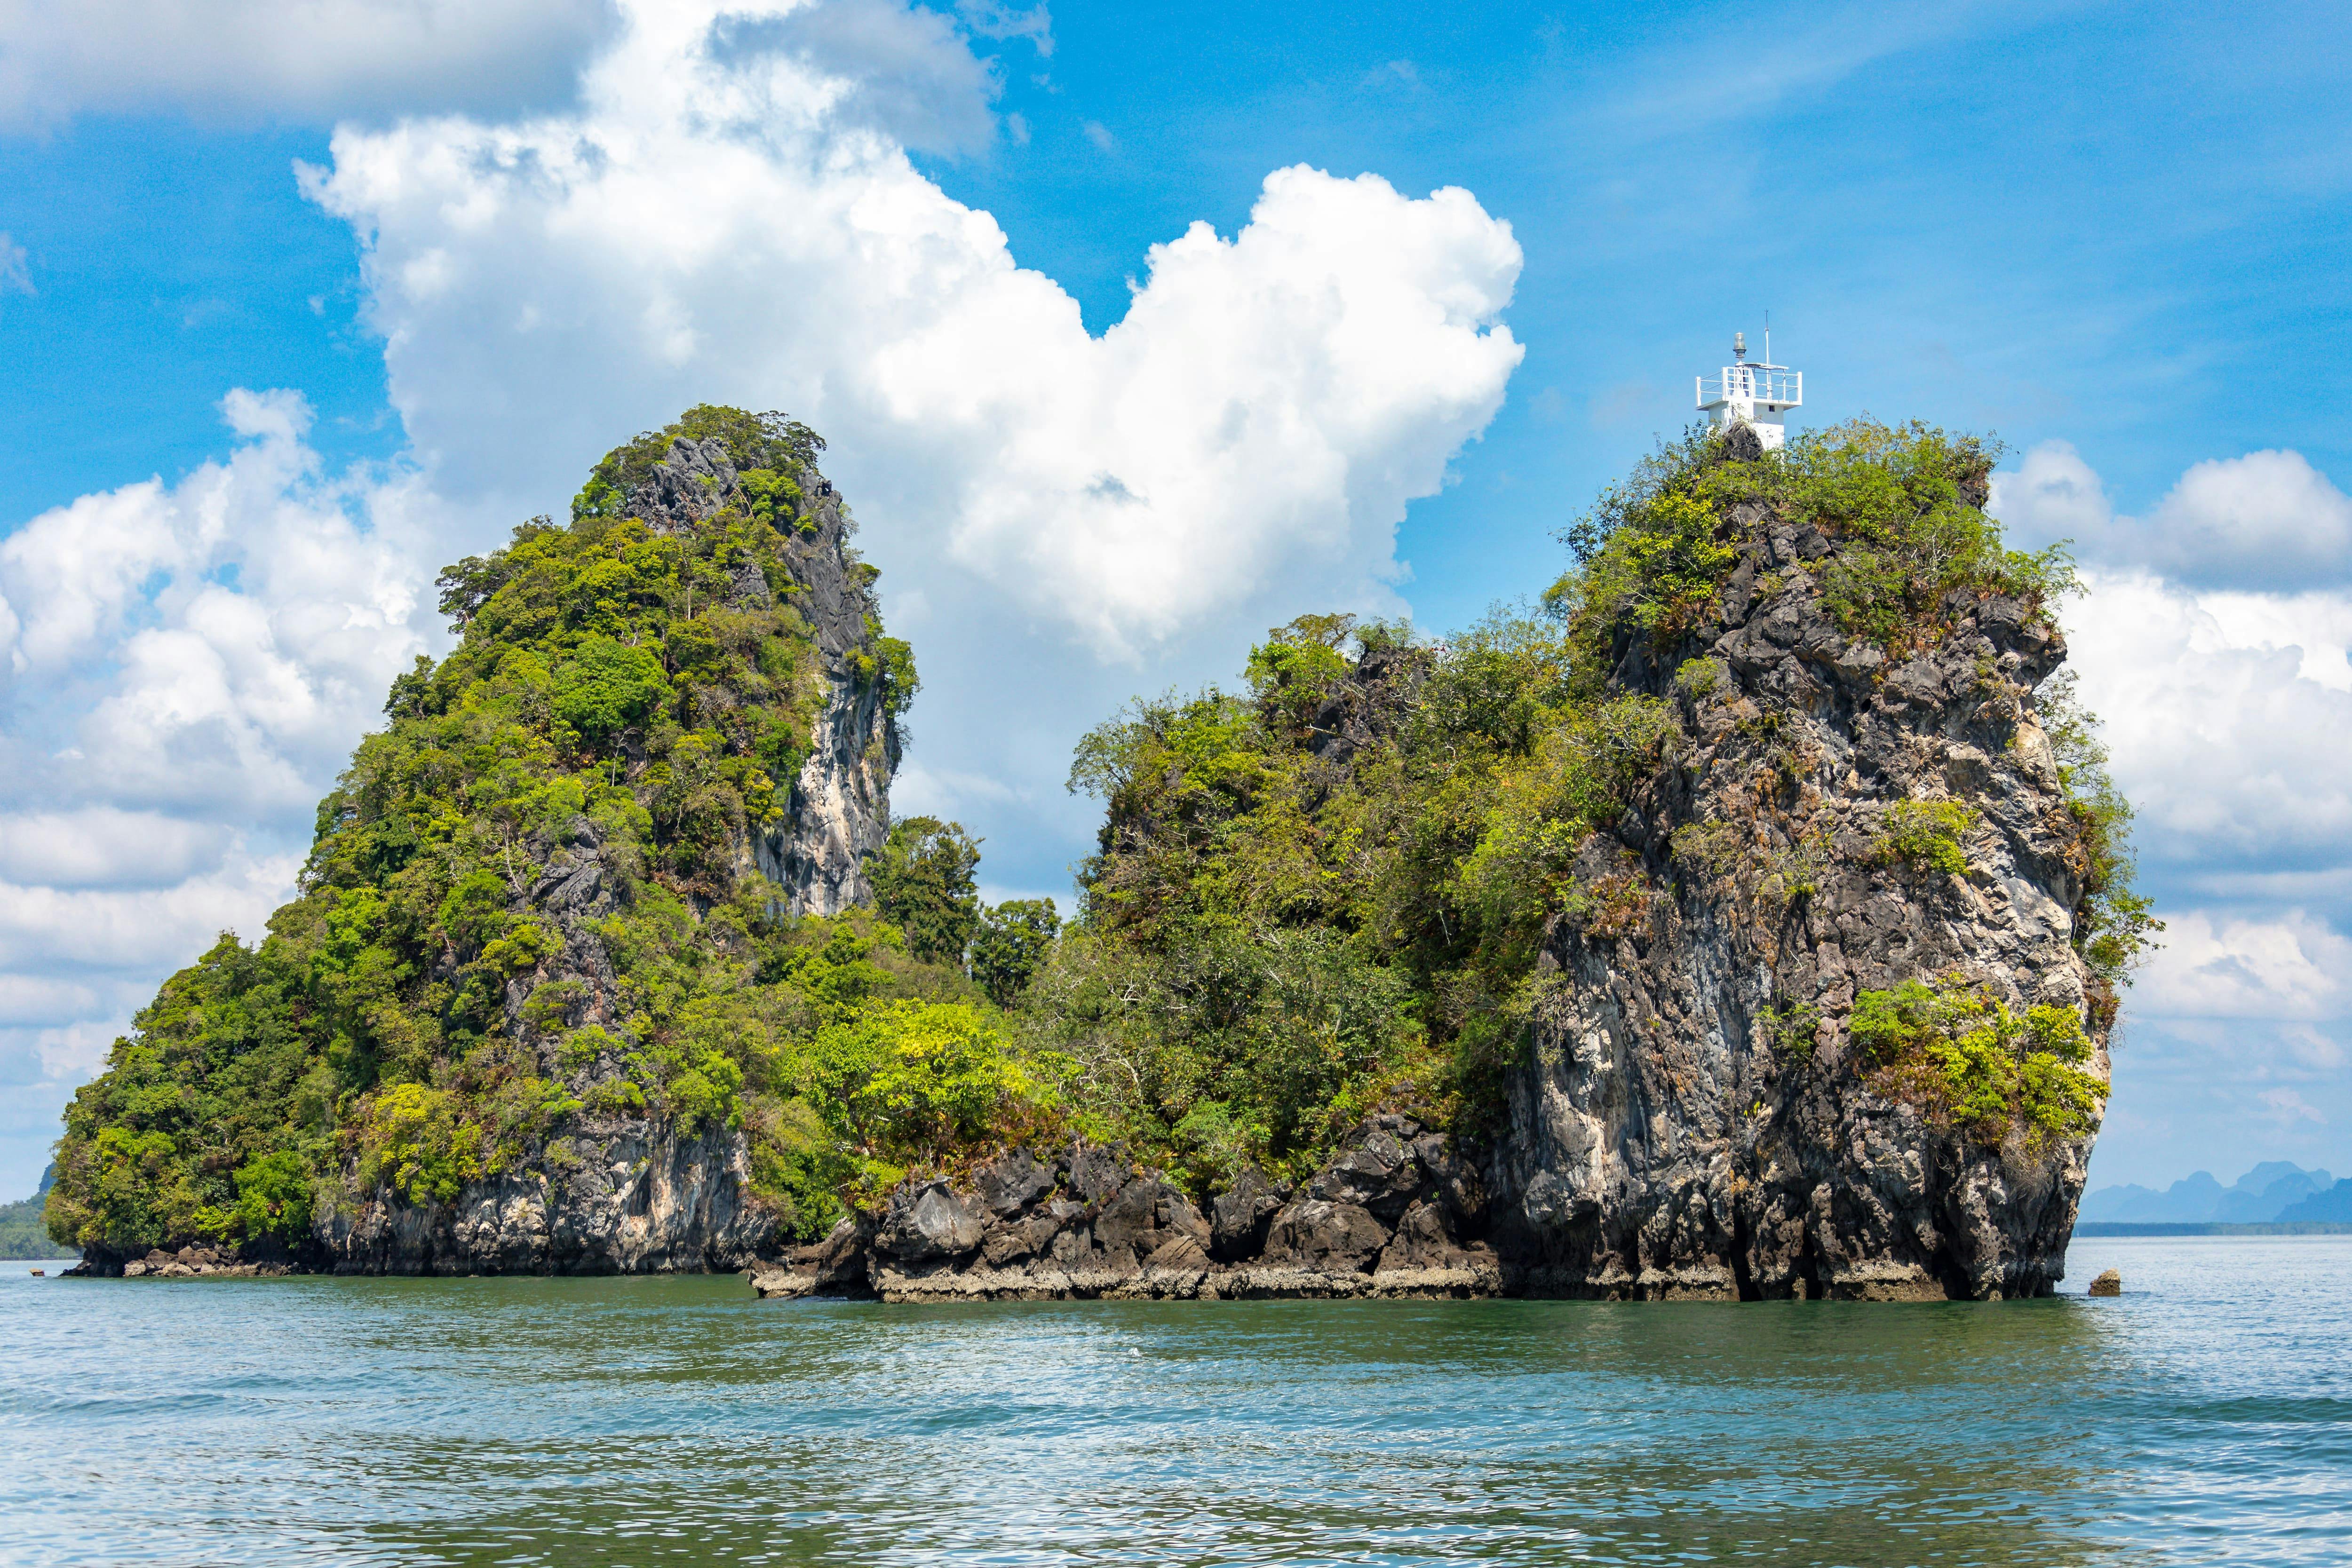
630,1195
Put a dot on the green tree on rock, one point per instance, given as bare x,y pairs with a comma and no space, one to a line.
923,884
1011,942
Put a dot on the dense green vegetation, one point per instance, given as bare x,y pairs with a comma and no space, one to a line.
417,1018
23,1233
1316,896
923,885
1954,1045
1279,932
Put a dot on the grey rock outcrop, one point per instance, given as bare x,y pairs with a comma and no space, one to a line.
1695,1119
622,1196
192,1262
1242,1214
841,801
1086,1222
930,1222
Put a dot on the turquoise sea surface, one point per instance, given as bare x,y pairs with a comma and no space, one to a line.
2205,1416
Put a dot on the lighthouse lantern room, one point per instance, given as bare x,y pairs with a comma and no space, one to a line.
1756,395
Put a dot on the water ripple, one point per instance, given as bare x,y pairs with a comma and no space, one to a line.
2204,1417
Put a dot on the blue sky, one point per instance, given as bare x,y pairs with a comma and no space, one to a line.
2113,235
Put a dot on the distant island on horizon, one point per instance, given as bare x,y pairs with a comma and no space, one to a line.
22,1232
2275,1192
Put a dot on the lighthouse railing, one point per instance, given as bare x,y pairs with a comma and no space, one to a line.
1753,383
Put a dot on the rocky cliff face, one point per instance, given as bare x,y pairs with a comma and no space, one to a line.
841,801
630,1195
840,810
625,1196
1697,1118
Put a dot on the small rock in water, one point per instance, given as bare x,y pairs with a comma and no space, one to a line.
2110,1283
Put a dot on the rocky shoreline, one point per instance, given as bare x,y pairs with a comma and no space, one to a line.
1399,1212
187,1263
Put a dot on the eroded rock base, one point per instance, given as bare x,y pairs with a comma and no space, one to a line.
1398,1213
187,1263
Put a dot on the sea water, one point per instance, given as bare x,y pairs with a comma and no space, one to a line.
2205,1416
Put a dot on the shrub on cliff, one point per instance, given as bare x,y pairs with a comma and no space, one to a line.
1926,834
1978,1063
1898,509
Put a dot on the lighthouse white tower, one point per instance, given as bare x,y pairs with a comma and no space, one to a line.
1753,395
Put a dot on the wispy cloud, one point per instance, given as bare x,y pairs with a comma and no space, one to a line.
1694,85
14,276
995,19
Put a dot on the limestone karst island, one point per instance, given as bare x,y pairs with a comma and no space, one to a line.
1742,916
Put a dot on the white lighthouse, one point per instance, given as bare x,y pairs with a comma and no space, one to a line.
1754,395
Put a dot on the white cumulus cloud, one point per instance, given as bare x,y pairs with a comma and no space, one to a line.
904,70
720,208
185,666
2288,966
2229,716
104,846
2213,642
2266,521
1074,516
213,645
721,224
42,928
